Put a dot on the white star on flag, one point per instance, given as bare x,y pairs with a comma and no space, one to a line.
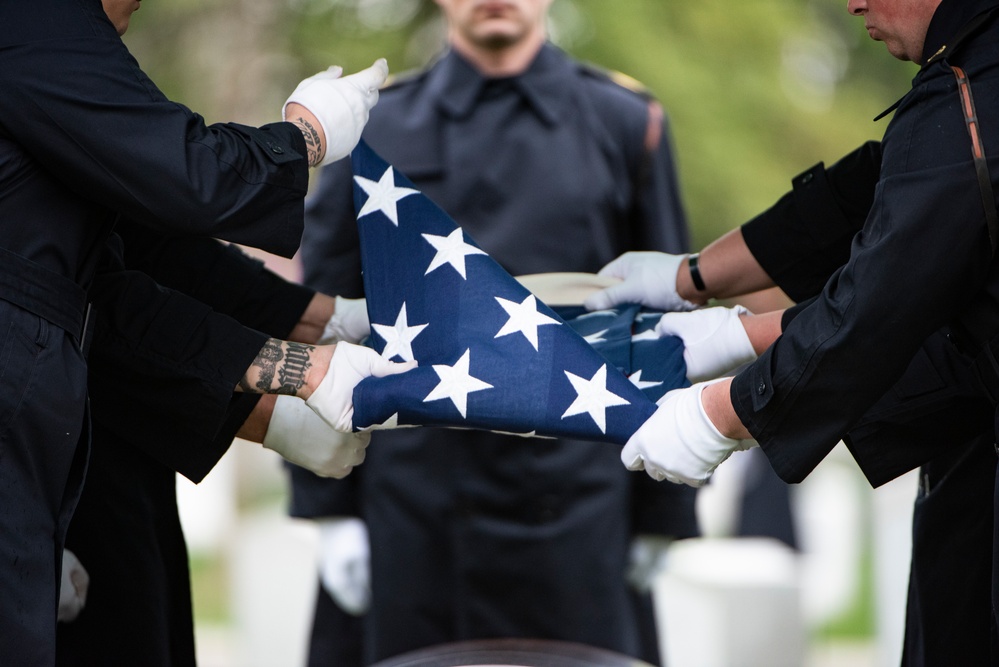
451,249
383,196
456,383
596,337
399,337
525,318
593,397
636,379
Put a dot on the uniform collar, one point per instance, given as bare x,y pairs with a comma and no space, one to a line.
952,22
457,84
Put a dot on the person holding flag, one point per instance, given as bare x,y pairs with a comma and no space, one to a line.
547,165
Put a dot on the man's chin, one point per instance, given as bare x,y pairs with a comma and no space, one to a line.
500,35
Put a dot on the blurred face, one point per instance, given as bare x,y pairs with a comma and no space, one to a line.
120,11
494,24
900,24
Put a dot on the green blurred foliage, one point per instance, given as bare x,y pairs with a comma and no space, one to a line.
756,90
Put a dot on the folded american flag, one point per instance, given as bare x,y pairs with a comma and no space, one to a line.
491,355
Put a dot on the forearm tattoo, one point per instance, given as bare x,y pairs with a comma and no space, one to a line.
291,374
266,363
312,141
284,362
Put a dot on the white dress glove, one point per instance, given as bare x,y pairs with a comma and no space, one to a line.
340,104
345,563
678,442
333,399
349,322
714,340
648,278
299,435
73,588
646,560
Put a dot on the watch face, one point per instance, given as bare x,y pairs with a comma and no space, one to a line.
512,653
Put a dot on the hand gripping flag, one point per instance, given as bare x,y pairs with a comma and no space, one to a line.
491,355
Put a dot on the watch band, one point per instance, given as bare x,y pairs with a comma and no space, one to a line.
695,272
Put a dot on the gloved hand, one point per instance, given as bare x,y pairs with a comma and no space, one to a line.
646,560
340,104
714,340
678,442
349,322
648,278
333,399
73,588
345,563
299,435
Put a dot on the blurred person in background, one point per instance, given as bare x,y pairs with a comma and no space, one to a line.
890,254
551,165
86,139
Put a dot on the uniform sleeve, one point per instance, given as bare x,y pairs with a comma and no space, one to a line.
163,368
922,256
77,102
219,275
217,292
806,235
661,223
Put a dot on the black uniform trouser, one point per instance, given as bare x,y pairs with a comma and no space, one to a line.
43,454
949,615
127,534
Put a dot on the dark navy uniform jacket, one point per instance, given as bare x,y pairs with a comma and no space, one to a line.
85,137
920,263
476,534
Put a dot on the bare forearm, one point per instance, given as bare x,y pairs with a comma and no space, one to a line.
727,268
763,329
255,427
718,406
285,367
313,321
311,129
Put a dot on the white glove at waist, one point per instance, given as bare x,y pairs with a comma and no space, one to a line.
678,442
714,340
646,560
333,399
345,563
349,322
73,587
648,278
299,435
341,105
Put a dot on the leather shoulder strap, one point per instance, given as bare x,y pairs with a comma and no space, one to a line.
978,152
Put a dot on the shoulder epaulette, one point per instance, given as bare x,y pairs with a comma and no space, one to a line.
620,78
400,78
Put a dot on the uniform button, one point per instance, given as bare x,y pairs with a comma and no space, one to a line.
277,149
807,178
761,388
